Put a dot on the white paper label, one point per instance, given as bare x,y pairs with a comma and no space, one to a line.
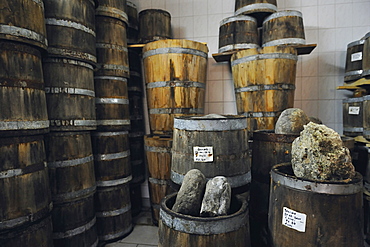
203,154
294,220
356,56
354,110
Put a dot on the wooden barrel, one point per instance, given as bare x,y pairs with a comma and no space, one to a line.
237,32
283,28
135,82
207,143
72,183
158,158
133,23
294,205
367,215
136,199
22,96
113,9
136,139
353,67
23,21
36,235
175,77
259,9
25,193
112,103
366,56
154,24
111,47
264,81
228,230
70,27
353,116
70,95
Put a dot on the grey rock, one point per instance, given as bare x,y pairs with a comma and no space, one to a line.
318,154
291,121
189,198
217,197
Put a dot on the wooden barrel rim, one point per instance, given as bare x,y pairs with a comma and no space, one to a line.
237,18
283,14
111,11
260,7
24,33
177,43
270,136
174,50
204,123
235,61
205,225
145,11
280,176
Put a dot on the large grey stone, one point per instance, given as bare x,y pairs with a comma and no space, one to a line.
189,198
318,154
217,198
291,121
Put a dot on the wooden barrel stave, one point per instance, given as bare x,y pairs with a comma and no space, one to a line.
366,57
353,116
353,67
133,23
113,9
154,24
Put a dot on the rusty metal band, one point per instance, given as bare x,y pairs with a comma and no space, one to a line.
174,50
215,124
110,183
68,61
264,56
113,122
265,87
366,72
71,122
75,195
101,10
176,110
110,133
115,235
159,181
23,125
237,18
113,66
72,53
283,14
158,149
176,84
71,24
74,232
113,213
237,47
297,41
256,6
69,163
116,78
23,32
69,90
112,46
112,156
117,101
27,170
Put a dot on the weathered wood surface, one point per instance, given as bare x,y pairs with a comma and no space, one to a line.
354,120
154,24
22,96
353,67
366,56
113,9
133,23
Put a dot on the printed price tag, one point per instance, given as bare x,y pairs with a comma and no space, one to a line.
294,220
356,56
203,154
354,110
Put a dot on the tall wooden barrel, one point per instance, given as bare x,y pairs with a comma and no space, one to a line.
154,24
178,230
133,23
22,96
70,27
207,143
238,32
259,9
72,183
353,116
283,28
111,47
112,103
353,67
264,81
113,9
175,77
23,21
70,95
158,158
366,56
312,213
25,193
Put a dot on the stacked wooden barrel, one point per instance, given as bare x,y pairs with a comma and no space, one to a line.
25,199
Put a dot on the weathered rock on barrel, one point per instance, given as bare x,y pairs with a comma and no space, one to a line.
217,197
318,153
190,195
291,121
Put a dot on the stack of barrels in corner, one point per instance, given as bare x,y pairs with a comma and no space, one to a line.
70,95
25,199
111,146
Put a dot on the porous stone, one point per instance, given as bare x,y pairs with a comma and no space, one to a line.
291,121
189,198
318,154
217,197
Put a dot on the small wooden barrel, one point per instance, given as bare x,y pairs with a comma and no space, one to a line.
154,24
36,235
366,56
22,96
112,103
175,77
353,67
70,27
353,116
237,32
24,194
111,47
72,183
207,143
23,21
70,95
264,81
158,158
283,28
113,9
133,23
178,230
259,9
294,205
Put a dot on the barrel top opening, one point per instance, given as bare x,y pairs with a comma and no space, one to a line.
176,43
